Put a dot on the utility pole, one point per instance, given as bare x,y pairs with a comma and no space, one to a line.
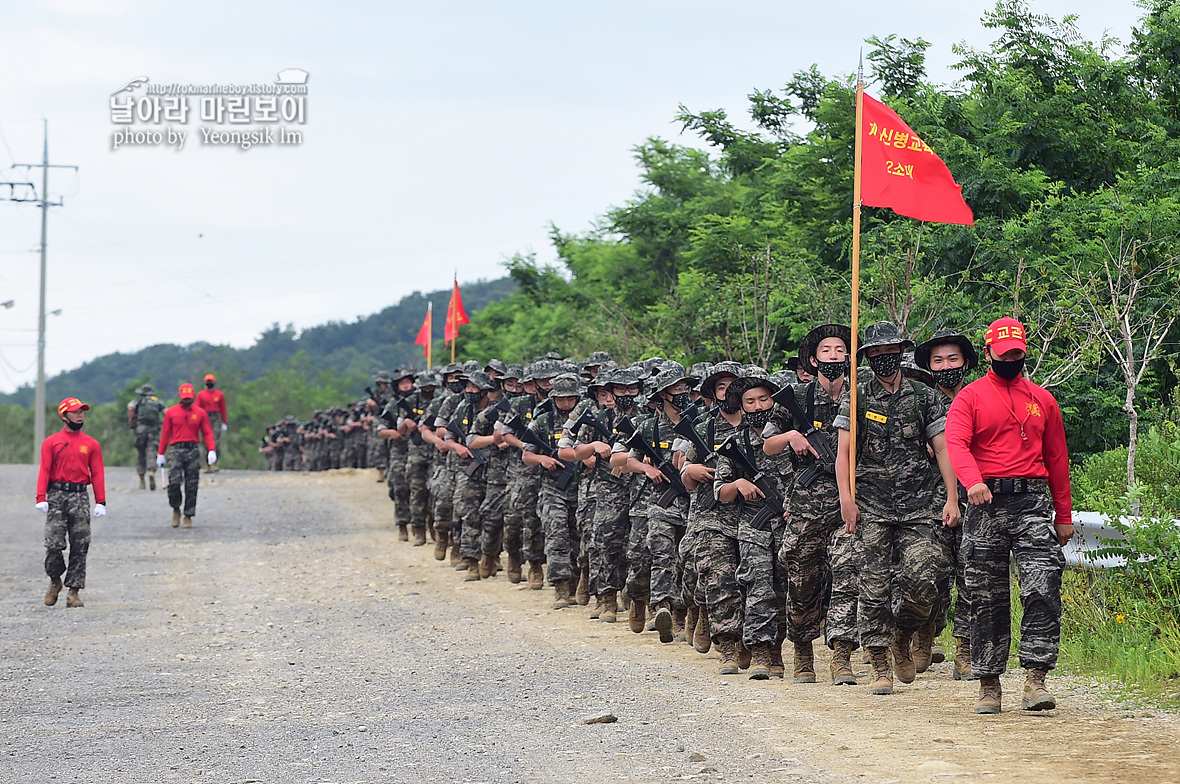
39,397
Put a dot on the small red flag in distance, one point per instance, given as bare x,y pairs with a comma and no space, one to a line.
455,316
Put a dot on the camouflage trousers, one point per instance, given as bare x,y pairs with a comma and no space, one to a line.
665,528
558,510
215,423
764,585
68,520
292,458
335,449
584,515
1020,525
417,474
909,549
377,449
720,556
817,553
692,584
469,494
184,468
397,480
638,557
442,492
147,440
608,535
491,516
951,541
522,525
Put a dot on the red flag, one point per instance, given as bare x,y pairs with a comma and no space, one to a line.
426,332
901,172
455,316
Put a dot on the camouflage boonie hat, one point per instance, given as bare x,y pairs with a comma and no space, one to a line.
566,385
566,366
669,377
603,378
699,371
381,377
754,377
145,389
551,355
470,366
403,372
622,377
728,367
652,365
545,368
945,337
598,358
454,367
910,369
496,365
784,377
882,333
426,379
481,380
514,371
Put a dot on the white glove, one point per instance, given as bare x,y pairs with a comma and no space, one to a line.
212,457
100,510
160,461
43,507
224,427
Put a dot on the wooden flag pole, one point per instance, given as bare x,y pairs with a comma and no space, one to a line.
852,390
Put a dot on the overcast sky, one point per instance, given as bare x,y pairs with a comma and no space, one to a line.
439,136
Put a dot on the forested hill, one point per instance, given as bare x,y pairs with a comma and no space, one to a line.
379,341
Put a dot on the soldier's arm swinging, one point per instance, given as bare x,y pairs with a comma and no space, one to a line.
848,511
950,510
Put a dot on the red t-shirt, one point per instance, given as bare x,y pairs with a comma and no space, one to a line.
185,424
983,436
213,401
71,456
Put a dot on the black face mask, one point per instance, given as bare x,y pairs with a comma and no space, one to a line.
472,397
426,394
625,402
681,400
75,426
456,386
1008,370
949,378
208,385
758,419
885,365
728,405
832,370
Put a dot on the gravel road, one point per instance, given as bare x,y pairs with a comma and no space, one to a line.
288,637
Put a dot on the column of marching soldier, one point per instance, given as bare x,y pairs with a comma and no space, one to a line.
715,505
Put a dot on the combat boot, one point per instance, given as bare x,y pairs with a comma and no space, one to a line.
690,623
74,600
744,656
728,647
536,576
456,559
989,694
921,647
777,668
514,575
151,480
487,567
679,619
597,611
962,669
1036,697
663,622
561,590
175,518
473,570
804,671
637,615
760,661
882,671
701,640
903,657
142,482
419,535
403,533
610,607
583,591
841,666
442,540
52,592
937,654
188,522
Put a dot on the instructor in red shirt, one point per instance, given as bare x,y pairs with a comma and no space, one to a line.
70,460
185,425
213,401
1006,442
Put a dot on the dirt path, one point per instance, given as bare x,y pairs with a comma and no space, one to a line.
290,637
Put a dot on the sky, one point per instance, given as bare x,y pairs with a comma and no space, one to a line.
438,139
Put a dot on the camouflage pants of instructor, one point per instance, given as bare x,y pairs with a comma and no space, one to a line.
918,562
68,519
608,535
215,423
1021,525
184,468
665,528
146,442
951,541
558,516
723,595
469,494
522,525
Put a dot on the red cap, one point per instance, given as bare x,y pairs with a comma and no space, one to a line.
71,404
186,391
1004,335
210,377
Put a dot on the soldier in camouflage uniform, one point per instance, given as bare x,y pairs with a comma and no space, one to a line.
817,548
471,478
522,485
376,447
411,423
396,477
1007,442
293,445
442,485
145,416
487,434
333,437
557,504
526,503
897,501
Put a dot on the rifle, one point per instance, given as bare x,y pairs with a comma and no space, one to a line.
825,462
502,406
636,441
686,429
525,434
404,404
478,458
772,501
588,419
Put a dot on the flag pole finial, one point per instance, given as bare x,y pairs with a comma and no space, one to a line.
860,68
